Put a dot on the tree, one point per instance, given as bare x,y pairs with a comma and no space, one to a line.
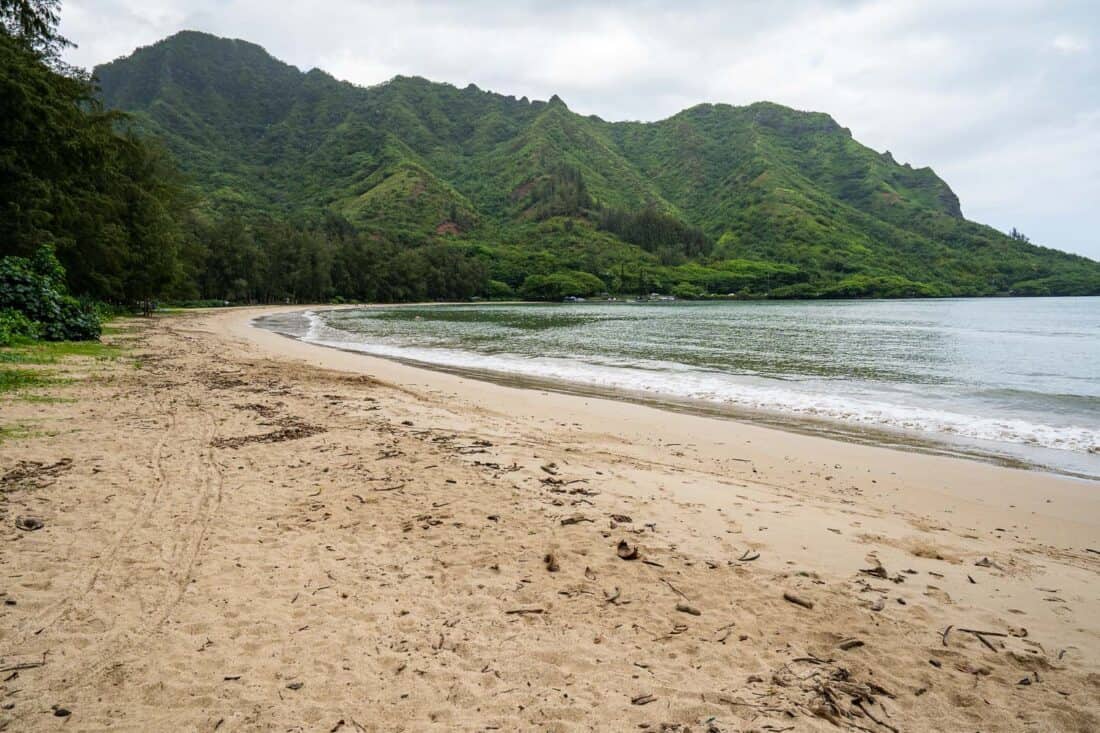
561,285
35,23
110,202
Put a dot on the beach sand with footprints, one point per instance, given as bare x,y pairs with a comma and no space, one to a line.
225,529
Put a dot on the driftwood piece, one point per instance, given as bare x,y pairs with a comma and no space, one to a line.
675,590
798,600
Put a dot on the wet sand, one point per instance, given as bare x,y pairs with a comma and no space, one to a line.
249,532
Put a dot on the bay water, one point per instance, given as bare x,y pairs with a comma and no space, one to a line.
1009,379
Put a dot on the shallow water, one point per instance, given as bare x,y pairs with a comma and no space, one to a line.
1011,378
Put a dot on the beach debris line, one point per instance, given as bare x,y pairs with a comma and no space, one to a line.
34,474
831,692
292,431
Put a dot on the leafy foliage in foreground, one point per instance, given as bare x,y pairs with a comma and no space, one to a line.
35,304
15,327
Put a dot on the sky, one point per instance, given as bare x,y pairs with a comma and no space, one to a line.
1000,97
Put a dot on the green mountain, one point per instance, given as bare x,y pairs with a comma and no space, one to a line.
760,199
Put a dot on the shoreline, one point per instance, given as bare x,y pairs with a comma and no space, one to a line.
244,531
1016,482
1009,455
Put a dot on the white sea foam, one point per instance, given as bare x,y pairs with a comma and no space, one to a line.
676,381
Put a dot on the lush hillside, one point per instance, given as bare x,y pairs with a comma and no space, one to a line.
717,199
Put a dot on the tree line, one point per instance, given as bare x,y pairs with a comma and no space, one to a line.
114,209
279,261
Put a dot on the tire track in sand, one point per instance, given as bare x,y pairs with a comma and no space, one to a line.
144,573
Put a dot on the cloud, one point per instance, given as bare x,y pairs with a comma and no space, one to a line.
1070,44
1001,97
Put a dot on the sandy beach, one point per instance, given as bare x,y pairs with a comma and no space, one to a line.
246,532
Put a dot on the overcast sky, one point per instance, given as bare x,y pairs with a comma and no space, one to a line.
1000,97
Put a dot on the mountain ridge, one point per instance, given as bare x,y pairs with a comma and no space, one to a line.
416,160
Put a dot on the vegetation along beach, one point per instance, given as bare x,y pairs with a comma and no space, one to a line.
404,405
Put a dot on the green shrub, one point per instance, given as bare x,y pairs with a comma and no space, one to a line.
687,291
16,327
498,289
35,288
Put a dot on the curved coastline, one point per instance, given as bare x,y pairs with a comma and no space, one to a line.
1080,465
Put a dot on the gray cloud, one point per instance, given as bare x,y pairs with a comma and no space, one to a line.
1001,97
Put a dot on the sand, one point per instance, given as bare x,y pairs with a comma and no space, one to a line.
244,532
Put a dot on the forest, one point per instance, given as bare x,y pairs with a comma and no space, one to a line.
201,170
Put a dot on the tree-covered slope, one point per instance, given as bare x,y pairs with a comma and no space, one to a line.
760,199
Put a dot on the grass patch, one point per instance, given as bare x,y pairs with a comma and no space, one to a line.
12,380
50,352
15,356
13,432
23,432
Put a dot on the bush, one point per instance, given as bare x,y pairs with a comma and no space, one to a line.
687,291
35,288
498,289
16,327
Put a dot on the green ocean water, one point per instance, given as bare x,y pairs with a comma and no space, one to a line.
1013,378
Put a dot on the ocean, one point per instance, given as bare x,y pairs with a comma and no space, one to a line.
1010,379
